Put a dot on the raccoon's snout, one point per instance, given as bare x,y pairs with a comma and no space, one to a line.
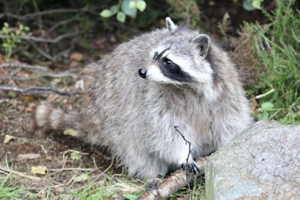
142,73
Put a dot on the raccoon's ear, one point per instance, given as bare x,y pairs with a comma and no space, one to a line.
170,25
202,42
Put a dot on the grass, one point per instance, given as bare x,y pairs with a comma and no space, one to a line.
278,70
100,186
196,191
103,186
113,186
8,191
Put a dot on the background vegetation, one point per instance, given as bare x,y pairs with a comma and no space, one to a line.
43,43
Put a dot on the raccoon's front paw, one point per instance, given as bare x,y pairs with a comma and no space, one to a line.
190,167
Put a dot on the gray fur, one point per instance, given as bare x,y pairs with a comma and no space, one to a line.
135,117
170,25
202,42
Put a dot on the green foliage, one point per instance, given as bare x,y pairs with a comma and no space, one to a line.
130,196
11,37
124,8
278,50
264,111
10,192
252,4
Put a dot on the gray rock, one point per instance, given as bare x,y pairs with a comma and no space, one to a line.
263,162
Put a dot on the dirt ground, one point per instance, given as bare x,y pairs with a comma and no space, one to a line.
55,151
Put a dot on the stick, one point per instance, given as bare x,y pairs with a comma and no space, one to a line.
173,183
47,12
23,65
38,90
188,142
52,75
20,174
39,39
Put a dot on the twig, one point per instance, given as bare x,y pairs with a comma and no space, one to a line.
100,153
42,52
70,151
38,90
63,52
22,65
52,75
265,94
40,39
188,142
61,23
72,169
238,47
173,183
20,174
47,12
38,14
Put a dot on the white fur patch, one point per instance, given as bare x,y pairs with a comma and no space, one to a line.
41,115
154,74
55,118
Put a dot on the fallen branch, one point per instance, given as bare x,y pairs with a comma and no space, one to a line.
173,183
72,169
20,174
47,12
22,65
40,39
62,23
52,75
38,90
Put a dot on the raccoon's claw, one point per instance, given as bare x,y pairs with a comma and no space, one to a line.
190,167
152,185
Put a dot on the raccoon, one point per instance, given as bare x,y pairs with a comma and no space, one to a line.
148,90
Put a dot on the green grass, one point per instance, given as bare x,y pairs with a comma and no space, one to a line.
8,192
112,186
196,191
278,65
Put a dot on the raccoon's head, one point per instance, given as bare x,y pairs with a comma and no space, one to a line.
180,58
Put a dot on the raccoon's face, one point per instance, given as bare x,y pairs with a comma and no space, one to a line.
180,62
164,69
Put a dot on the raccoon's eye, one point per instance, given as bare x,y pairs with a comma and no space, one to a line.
167,63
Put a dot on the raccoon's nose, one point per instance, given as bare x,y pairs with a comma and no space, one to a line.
142,73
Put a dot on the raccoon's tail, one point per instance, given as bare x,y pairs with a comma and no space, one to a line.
48,117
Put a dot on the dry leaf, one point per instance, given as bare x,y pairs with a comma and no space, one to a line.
82,177
71,132
59,189
38,169
21,108
102,182
8,138
27,156
75,155
74,64
30,107
76,56
29,97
